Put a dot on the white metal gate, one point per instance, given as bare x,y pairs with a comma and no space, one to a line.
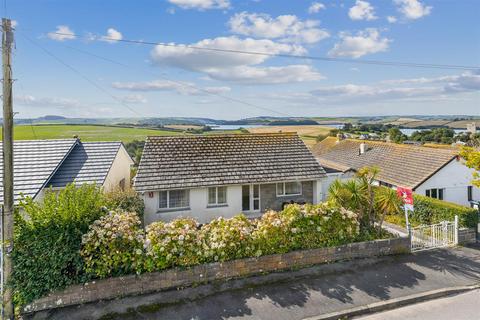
443,234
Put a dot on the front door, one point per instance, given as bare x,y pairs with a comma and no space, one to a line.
251,198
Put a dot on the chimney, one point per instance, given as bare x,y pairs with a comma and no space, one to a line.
340,137
363,148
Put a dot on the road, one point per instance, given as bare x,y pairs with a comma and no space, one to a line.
465,306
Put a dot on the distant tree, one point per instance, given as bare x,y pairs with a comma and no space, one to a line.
321,137
334,132
396,135
472,160
439,135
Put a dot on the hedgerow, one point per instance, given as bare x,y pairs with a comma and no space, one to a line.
183,243
47,238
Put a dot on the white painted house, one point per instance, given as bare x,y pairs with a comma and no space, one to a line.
43,164
209,176
434,172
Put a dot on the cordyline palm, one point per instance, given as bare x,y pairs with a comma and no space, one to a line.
367,177
350,195
387,201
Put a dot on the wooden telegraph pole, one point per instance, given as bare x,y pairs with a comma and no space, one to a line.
7,217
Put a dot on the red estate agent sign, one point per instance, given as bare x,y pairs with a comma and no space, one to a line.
407,195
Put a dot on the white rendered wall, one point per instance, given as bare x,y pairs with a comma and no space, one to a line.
198,206
454,178
119,170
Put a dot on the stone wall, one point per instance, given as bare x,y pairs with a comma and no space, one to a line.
269,199
467,235
112,288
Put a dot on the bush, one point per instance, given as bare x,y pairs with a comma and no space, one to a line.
429,211
47,238
114,245
125,200
305,227
177,243
228,239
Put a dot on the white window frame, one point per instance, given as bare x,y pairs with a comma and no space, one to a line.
252,198
168,207
429,191
216,203
283,194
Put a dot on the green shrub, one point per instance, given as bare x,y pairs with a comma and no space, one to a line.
114,245
47,238
428,210
304,227
125,200
177,243
228,239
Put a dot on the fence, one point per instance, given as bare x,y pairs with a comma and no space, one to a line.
443,234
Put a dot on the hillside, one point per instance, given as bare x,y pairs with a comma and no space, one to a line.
85,132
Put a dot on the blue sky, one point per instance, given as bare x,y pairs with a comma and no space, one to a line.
131,80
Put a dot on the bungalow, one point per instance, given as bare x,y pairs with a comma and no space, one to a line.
43,164
208,176
433,172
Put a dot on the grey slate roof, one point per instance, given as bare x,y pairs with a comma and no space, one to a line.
212,160
34,163
89,162
399,164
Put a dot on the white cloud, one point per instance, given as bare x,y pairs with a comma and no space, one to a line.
201,4
55,102
112,36
241,68
315,7
467,81
134,98
286,28
269,75
62,33
413,9
391,19
183,88
362,10
364,42
205,61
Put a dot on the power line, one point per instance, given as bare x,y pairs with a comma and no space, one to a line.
93,83
185,84
281,55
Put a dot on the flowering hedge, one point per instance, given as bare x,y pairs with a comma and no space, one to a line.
116,244
177,243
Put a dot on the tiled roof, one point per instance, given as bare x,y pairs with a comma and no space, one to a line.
34,163
89,162
209,160
399,164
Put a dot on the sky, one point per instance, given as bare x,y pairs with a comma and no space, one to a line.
66,59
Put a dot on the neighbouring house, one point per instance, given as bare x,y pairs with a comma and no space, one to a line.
208,176
433,172
43,164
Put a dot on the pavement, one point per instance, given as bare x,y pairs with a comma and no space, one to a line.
306,297
464,306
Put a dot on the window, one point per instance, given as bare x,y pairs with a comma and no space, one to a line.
470,193
289,189
437,193
173,199
251,197
121,184
217,196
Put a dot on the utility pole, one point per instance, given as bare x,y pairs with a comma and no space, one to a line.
8,201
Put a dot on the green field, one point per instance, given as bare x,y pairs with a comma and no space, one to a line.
85,132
